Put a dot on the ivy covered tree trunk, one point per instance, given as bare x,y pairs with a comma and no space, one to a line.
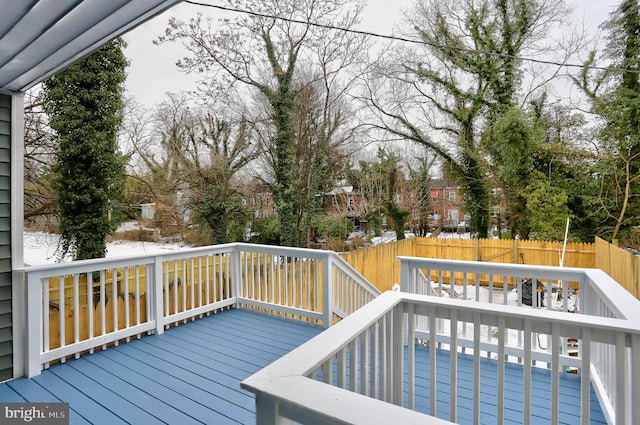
223,214
466,73
277,59
615,96
84,104
621,110
285,187
479,201
398,216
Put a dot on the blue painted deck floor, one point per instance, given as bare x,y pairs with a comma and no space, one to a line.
540,390
191,374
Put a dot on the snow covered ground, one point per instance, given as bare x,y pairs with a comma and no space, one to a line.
42,248
390,236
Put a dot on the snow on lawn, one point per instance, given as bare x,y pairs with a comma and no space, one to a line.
42,248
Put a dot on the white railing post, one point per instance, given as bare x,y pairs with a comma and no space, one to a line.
634,394
404,287
399,319
267,412
622,371
158,299
327,291
33,321
404,275
236,274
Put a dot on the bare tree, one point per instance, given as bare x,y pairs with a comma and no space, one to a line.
161,151
380,183
39,149
441,94
192,158
263,52
219,150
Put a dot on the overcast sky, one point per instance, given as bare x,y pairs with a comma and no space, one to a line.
153,73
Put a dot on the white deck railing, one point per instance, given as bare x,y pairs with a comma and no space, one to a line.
353,372
72,308
584,291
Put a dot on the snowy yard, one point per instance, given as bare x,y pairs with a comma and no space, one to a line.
42,248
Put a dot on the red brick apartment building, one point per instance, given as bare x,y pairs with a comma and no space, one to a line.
447,205
346,202
446,209
259,198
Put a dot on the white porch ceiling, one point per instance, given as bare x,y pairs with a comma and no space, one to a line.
41,37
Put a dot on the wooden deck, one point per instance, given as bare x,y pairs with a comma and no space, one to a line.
191,375
541,391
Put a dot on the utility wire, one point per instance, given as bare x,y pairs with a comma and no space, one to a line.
407,40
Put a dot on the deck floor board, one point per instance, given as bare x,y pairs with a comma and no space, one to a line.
192,372
540,388
191,388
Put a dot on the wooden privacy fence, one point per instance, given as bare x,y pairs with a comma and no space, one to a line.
380,264
621,265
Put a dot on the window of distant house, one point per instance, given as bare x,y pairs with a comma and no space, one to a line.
266,200
334,200
244,201
398,198
350,202
452,197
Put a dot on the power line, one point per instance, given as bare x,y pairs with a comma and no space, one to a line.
406,40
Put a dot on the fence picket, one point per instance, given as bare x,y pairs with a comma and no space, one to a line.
380,266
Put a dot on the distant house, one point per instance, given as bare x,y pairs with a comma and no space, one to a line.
345,202
446,209
258,197
447,206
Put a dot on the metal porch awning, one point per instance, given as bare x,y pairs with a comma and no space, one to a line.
41,37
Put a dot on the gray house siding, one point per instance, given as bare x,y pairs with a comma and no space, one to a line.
6,343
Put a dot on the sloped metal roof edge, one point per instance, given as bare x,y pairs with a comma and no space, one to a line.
27,81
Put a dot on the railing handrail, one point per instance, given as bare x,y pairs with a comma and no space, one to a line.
79,266
353,273
190,266
481,267
279,250
602,325
309,357
322,347
617,299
